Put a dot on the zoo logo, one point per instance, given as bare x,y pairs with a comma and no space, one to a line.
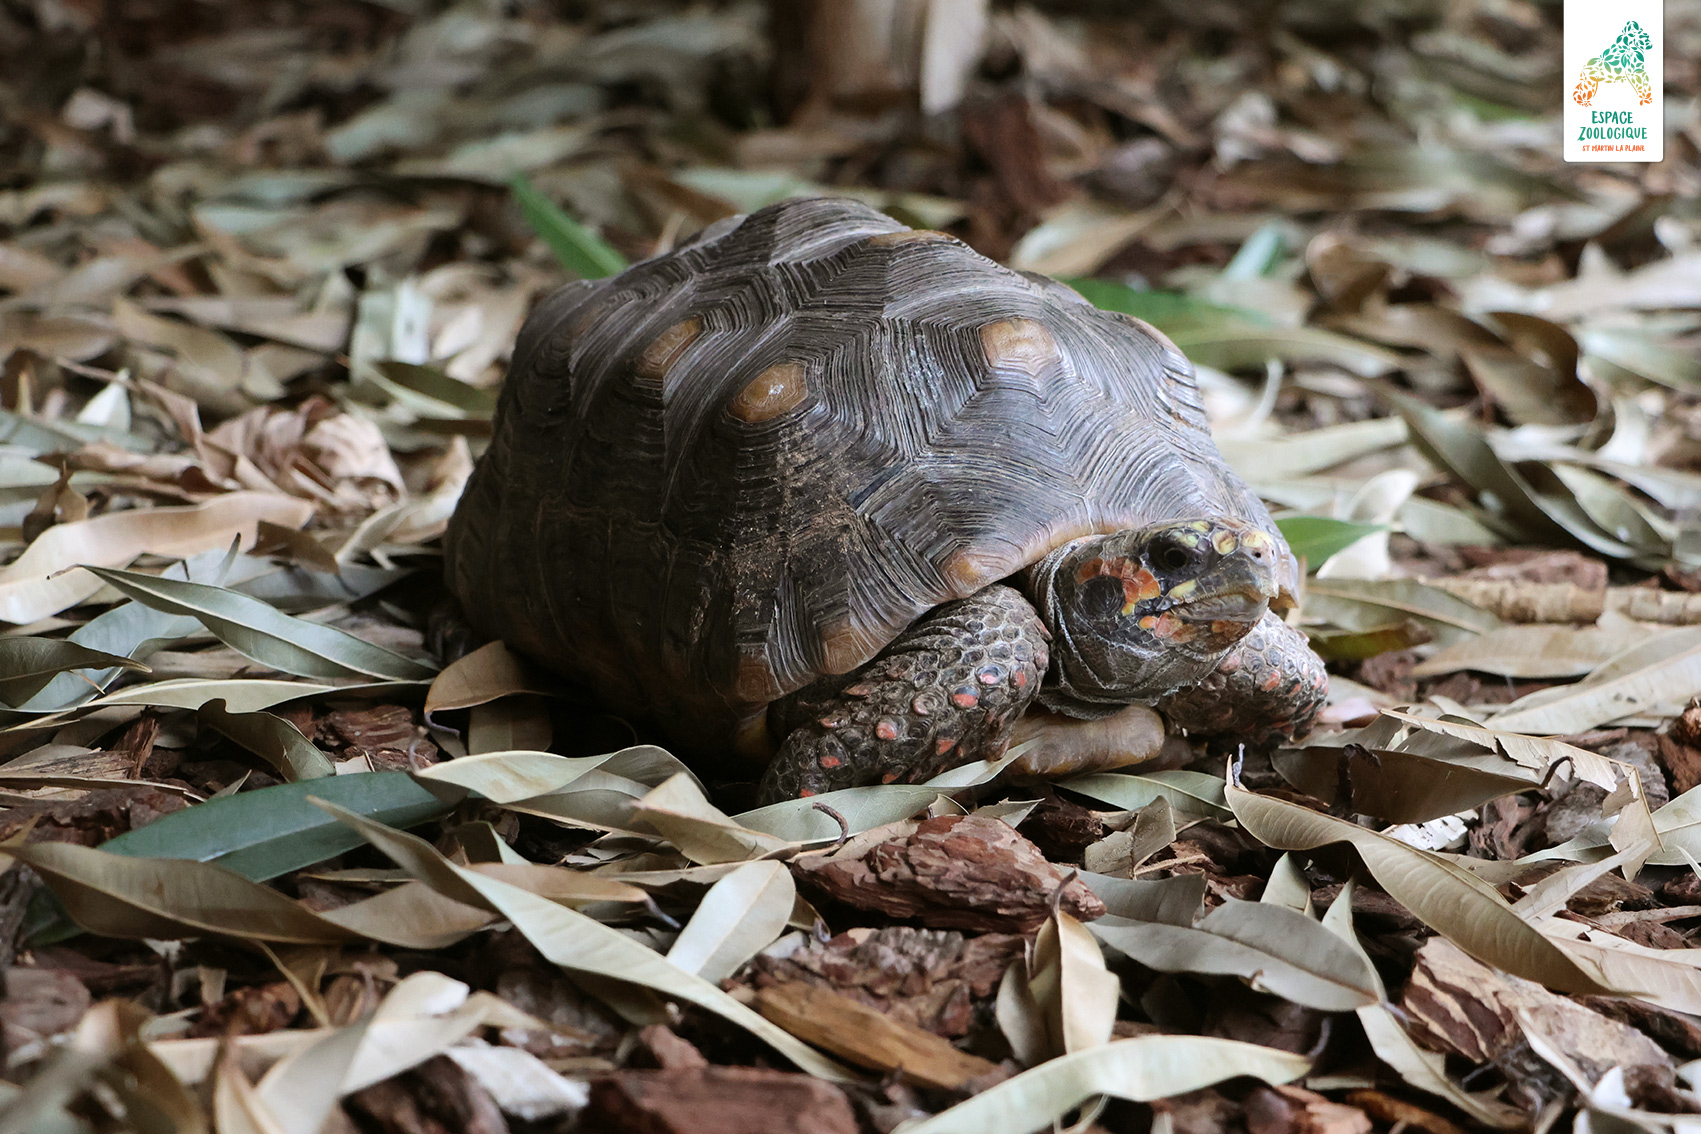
1620,63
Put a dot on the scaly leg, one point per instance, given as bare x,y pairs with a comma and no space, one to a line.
946,692
1270,683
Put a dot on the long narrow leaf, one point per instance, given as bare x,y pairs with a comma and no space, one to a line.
580,250
270,637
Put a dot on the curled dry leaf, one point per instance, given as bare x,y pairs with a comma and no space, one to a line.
488,673
119,896
740,915
576,942
679,811
1535,651
1140,1069
259,631
1276,949
27,664
271,738
1447,898
1662,687
1400,786
31,587
1075,995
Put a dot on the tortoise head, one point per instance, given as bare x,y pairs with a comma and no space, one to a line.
1139,613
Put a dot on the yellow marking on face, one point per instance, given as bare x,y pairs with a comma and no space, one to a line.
1148,622
1225,542
1182,590
1200,525
1255,539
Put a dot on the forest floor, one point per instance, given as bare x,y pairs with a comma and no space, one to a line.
261,268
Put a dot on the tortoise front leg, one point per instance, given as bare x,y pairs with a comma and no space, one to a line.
946,692
1270,683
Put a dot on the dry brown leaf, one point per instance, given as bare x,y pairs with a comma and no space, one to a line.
31,588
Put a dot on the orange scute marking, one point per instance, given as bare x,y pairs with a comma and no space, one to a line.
1138,584
777,390
658,358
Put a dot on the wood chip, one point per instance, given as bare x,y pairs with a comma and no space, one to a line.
863,1036
718,1100
1295,1110
956,872
434,1097
1396,1112
1517,601
931,978
1457,1004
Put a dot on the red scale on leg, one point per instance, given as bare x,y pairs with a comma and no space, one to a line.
945,693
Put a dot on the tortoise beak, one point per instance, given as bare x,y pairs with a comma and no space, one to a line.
1238,588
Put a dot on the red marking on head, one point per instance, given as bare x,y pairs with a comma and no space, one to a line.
1229,664
988,677
806,791
887,729
1021,679
964,699
1138,584
889,778
920,707
944,744
1173,629
831,722
829,761
860,689
1270,683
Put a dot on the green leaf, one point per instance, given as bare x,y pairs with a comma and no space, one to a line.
28,664
1259,255
436,385
1316,538
271,831
260,834
1230,338
265,634
580,250
1172,312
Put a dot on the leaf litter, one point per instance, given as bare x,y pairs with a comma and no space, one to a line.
260,272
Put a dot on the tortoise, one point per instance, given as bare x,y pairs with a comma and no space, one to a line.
826,489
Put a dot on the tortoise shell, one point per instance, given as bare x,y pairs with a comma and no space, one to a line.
752,462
